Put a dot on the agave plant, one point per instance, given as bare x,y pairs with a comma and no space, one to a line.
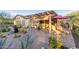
2,43
25,41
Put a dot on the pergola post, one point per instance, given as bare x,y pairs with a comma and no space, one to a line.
44,24
49,24
57,35
33,20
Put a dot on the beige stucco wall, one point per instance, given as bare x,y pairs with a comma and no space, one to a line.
21,21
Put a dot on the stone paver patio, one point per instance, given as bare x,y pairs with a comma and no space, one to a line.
40,40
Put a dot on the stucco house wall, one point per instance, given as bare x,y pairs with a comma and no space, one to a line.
20,20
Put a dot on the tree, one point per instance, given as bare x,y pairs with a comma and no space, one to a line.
75,18
5,15
5,18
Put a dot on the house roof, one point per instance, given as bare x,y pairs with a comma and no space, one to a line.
20,16
43,14
38,15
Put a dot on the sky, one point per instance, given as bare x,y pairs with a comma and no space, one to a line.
28,12
63,12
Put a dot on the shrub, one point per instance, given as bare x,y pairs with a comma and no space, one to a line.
16,36
0,30
21,30
52,42
76,32
59,43
3,35
4,30
55,42
19,25
7,22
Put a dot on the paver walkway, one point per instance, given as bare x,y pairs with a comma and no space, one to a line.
68,40
40,40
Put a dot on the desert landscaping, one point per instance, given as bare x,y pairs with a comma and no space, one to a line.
44,30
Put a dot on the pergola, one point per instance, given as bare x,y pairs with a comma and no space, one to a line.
47,17
44,16
57,18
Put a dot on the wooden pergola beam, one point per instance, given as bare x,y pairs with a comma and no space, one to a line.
50,24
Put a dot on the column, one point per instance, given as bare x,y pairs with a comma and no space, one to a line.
49,24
